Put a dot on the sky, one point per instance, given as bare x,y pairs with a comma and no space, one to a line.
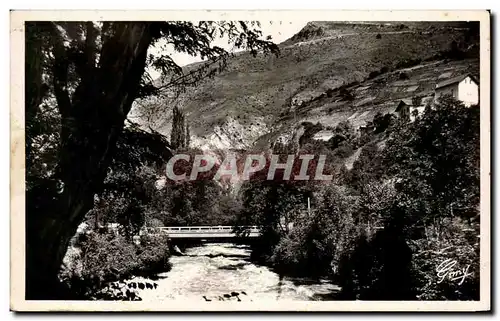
278,30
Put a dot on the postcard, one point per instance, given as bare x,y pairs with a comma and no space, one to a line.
250,161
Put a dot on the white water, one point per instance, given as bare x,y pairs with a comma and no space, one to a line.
215,269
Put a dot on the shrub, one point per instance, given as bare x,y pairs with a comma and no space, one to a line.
310,130
372,272
373,74
299,252
421,230
382,122
315,244
107,256
98,258
343,132
101,258
344,150
407,63
376,199
367,168
455,240
152,254
403,76
416,101
346,94
377,268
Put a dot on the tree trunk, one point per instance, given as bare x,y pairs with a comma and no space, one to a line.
48,237
90,128
34,90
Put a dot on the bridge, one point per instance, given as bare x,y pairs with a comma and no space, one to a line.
202,232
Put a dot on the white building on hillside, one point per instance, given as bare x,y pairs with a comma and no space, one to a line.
323,135
406,109
464,88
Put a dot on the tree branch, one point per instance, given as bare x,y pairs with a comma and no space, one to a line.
192,77
90,45
33,70
60,71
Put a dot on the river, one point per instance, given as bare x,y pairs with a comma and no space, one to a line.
213,270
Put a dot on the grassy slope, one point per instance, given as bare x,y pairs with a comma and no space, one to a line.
324,56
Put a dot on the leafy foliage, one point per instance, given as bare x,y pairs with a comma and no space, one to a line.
103,257
383,122
366,168
343,132
459,243
82,79
310,130
316,242
423,189
411,201
273,205
436,162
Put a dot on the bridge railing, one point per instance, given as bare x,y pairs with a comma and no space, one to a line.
198,229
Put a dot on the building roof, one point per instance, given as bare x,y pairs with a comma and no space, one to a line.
454,80
403,102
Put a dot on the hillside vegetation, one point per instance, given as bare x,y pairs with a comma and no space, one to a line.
327,72
404,195
383,228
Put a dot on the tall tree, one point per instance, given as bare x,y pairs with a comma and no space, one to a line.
188,136
435,161
178,134
95,71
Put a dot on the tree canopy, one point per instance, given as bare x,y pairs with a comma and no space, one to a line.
81,81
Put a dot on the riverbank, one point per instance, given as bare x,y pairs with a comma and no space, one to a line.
223,271
97,262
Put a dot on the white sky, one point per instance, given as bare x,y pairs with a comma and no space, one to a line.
278,30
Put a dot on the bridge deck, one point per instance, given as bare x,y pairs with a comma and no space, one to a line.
202,232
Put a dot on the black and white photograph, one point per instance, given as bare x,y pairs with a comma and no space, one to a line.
252,161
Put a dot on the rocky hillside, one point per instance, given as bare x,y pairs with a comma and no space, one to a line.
328,72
